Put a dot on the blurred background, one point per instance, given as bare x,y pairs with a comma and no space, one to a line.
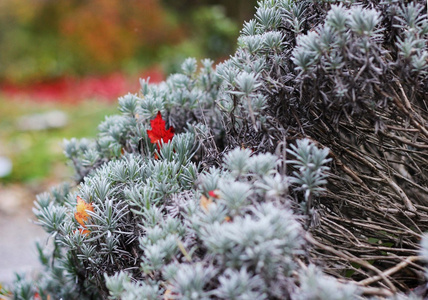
62,66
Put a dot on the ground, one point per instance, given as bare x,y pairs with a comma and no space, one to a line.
18,233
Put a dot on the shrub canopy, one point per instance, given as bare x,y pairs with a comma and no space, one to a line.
307,147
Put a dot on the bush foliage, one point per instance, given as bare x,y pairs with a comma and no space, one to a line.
305,151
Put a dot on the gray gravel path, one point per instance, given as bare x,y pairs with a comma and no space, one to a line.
17,236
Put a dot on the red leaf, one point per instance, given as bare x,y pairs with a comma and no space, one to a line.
214,194
159,131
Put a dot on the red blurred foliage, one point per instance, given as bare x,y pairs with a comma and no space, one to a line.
73,90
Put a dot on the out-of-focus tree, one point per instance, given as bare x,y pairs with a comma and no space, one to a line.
210,33
238,10
45,39
110,32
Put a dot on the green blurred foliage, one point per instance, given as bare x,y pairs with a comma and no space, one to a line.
212,35
237,10
41,40
47,39
214,32
36,154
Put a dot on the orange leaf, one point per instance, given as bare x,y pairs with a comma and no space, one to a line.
159,132
205,202
167,295
81,213
82,231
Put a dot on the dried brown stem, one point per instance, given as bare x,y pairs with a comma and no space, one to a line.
351,258
390,271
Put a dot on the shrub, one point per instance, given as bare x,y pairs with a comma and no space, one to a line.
305,148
